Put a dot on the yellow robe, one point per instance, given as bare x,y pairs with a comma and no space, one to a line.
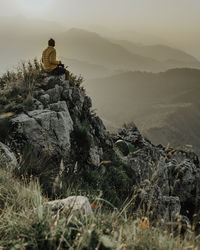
49,59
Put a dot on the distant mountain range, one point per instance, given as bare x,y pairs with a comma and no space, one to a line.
121,55
89,53
156,86
86,69
161,104
93,48
159,52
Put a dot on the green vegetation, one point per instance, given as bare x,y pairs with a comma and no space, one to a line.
112,179
16,87
82,136
76,80
26,223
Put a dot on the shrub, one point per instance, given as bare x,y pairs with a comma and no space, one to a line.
38,166
82,136
17,86
76,80
4,123
26,223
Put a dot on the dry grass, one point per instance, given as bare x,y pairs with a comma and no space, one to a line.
25,223
16,87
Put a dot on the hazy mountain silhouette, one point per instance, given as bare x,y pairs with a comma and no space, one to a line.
171,56
93,48
150,100
179,128
86,69
129,35
23,38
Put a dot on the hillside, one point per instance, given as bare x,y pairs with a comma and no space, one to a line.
161,53
91,47
179,128
53,144
149,100
86,69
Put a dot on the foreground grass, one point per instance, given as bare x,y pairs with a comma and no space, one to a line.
25,223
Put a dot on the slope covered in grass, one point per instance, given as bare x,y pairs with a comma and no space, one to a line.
25,223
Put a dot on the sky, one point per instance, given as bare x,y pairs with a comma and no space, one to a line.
174,21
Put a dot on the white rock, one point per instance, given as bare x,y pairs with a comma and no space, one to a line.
73,204
7,157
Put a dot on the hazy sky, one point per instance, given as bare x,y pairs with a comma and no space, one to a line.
176,21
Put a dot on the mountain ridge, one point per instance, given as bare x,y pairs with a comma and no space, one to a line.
149,99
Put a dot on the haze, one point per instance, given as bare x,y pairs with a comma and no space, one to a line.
121,60
174,22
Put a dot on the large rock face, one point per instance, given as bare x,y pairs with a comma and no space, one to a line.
46,130
59,114
62,126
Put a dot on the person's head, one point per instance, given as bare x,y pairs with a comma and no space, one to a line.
51,42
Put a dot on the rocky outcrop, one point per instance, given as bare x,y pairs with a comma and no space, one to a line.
60,113
61,125
168,180
46,130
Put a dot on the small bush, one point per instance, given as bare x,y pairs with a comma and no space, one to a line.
82,136
76,80
4,123
38,166
17,86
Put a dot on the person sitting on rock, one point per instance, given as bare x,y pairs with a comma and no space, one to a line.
50,64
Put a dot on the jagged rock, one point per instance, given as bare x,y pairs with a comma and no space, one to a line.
55,93
78,98
183,174
7,158
37,104
72,204
45,99
59,106
175,175
48,128
100,131
67,94
158,206
45,130
37,93
95,155
48,79
64,83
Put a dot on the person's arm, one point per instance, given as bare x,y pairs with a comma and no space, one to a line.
52,58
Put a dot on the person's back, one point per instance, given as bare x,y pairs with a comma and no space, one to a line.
50,64
49,59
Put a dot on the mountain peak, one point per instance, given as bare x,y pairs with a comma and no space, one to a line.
82,32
